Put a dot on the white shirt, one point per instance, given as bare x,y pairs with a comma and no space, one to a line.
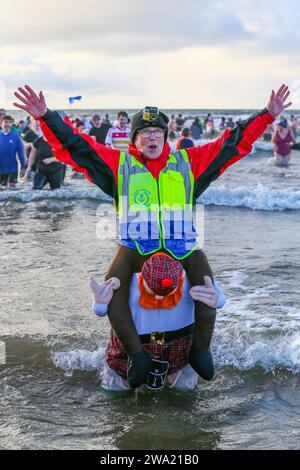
161,319
118,138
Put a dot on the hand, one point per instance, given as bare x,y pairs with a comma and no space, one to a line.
33,104
115,282
103,292
22,173
276,102
139,366
206,294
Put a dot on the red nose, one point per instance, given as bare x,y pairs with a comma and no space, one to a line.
166,282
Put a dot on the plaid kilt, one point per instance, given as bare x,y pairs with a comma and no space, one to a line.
175,352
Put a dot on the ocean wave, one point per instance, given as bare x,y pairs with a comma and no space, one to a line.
66,193
257,198
242,354
232,351
258,145
78,359
265,146
246,338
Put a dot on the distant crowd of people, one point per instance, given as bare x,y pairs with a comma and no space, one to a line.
25,153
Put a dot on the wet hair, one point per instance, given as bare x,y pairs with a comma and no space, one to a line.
283,124
7,117
122,113
172,135
185,132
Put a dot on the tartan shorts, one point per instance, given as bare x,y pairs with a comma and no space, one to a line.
175,352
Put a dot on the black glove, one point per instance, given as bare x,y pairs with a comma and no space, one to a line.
202,362
139,367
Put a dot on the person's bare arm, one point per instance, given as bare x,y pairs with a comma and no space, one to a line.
31,160
49,160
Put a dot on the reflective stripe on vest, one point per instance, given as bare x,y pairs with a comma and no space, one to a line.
156,214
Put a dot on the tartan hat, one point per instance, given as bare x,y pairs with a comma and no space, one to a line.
162,273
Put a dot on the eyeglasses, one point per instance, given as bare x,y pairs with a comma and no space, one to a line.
146,133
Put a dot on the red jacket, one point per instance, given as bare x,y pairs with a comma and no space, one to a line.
100,164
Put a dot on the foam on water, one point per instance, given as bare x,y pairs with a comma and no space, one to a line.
244,337
258,197
78,359
232,349
243,354
258,145
81,191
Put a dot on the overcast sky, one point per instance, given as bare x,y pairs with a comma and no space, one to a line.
165,53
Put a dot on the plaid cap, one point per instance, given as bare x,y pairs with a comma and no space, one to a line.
162,273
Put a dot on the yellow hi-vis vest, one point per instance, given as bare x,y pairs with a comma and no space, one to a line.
156,214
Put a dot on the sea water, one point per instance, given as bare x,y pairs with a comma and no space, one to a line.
53,347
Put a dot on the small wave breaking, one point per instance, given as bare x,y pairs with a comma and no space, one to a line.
258,197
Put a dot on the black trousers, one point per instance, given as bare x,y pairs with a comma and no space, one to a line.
8,178
55,179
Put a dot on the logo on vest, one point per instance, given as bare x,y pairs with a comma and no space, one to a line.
142,197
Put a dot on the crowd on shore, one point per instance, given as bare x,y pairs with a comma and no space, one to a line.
24,153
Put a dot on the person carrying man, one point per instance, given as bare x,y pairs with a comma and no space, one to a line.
154,191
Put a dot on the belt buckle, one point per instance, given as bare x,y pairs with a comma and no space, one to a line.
160,340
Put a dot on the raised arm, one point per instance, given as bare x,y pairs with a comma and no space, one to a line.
98,163
211,160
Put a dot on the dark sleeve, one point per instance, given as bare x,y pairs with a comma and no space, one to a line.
82,152
36,142
209,161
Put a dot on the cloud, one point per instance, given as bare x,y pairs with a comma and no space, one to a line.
129,53
131,27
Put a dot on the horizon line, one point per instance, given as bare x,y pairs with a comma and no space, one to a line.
138,109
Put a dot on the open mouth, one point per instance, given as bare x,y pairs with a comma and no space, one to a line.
152,147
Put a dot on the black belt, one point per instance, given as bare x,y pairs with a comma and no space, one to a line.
161,337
